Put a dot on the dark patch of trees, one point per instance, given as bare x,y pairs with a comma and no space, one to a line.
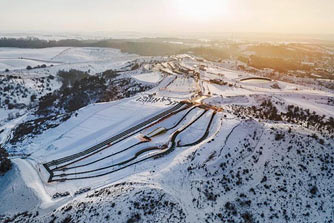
110,74
68,99
33,97
122,88
36,126
314,190
5,163
295,115
290,51
278,64
69,78
247,217
218,82
68,219
279,136
22,216
275,86
37,43
144,47
36,67
59,195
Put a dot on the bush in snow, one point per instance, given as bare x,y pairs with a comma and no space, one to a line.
59,195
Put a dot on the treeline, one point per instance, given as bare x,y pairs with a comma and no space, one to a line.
290,51
278,64
141,47
38,43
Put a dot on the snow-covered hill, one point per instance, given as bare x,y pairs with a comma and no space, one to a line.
176,139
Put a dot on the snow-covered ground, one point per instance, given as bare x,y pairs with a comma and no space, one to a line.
207,164
152,77
62,58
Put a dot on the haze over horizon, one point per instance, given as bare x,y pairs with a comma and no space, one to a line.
169,16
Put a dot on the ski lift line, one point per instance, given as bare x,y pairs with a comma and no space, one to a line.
120,135
170,149
106,146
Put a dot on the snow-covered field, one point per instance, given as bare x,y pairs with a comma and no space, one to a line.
62,58
221,156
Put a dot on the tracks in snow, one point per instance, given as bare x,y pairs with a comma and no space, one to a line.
100,166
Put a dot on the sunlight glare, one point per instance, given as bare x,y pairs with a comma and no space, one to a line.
201,10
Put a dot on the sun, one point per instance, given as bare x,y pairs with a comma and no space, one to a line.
201,9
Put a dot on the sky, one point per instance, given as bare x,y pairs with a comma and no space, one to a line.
168,16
